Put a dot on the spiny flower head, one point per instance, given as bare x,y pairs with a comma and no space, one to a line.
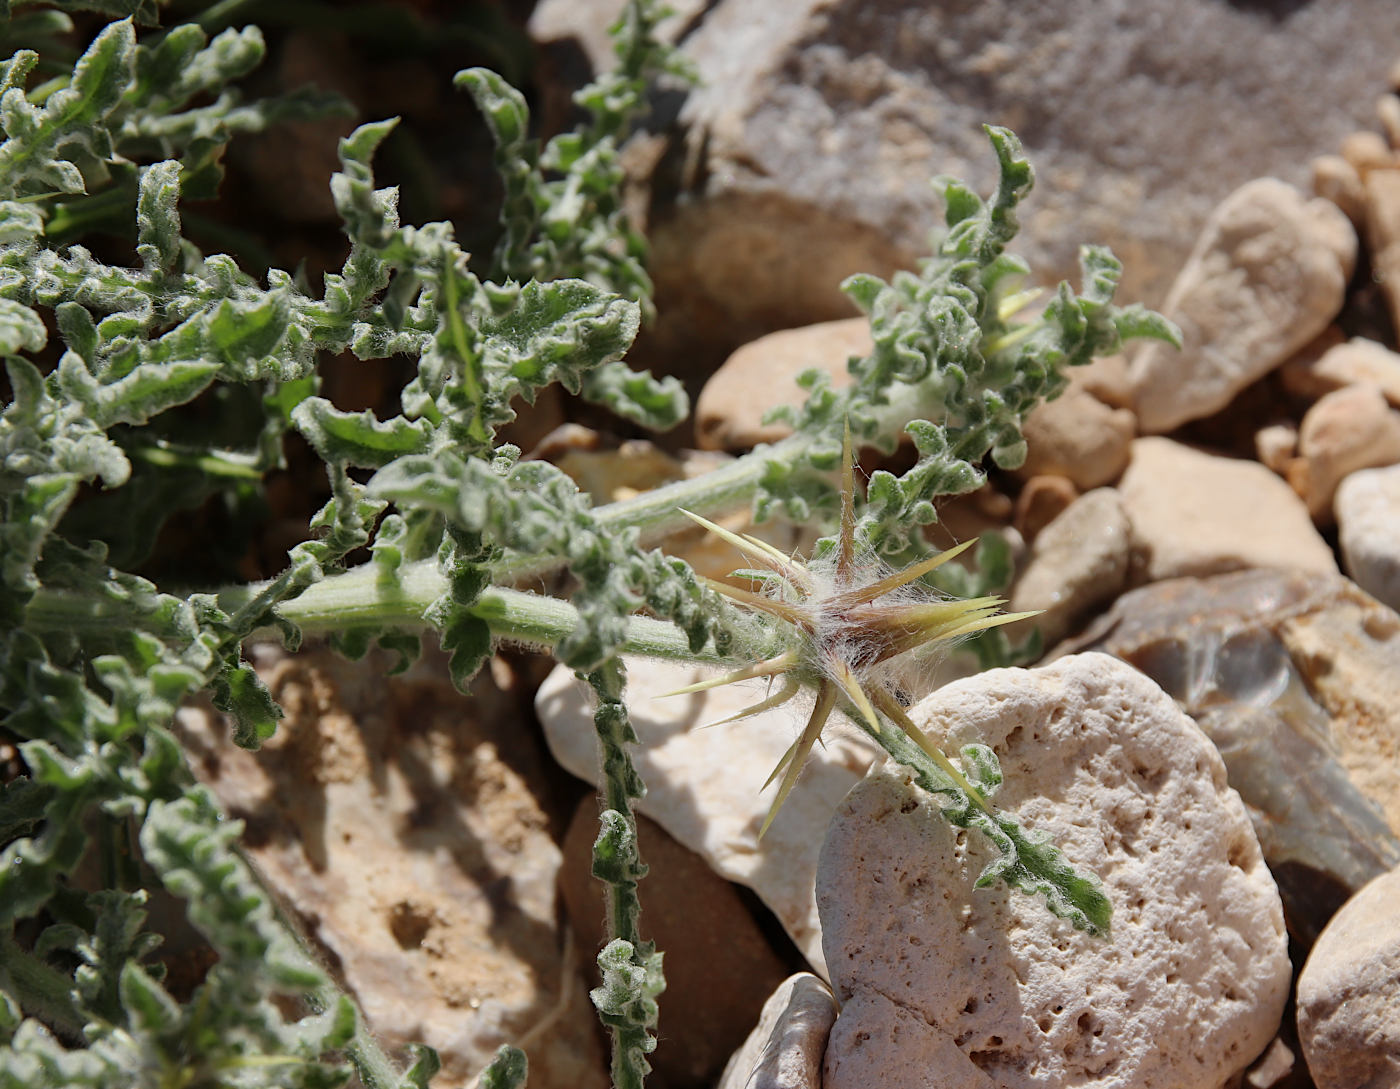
848,619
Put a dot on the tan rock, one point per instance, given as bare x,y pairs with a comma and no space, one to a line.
1368,518
1348,429
1107,379
1078,562
706,786
1193,513
1349,994
1388,113
1367,151
1335,179
991,986
1346,363
1042,500
1078,436
1268,274
1348,653
1383,235
763,374
404,826
1276,446
785,1049
720,968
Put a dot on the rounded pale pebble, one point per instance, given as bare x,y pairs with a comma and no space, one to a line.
1194,513
1079,437
1079,561
1348,429
1183,995
1368,520
1343,363
1267,275
1349,993
762,375
1335,179
1042,500
1276,445
1367,151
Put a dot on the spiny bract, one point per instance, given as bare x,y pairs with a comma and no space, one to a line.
847,621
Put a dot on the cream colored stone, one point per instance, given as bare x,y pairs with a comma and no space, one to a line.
762,375
1194,513
1276,446
1078,436
1268,274
1388,113
1368,517
1042,500
1107,379
705,786
1348,655
1352,362
1349,994
402,823
1335,179
1348,429
1383,235
785,1049
1186,992
1079,561
1367,151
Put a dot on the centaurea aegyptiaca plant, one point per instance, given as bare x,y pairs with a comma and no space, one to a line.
848,619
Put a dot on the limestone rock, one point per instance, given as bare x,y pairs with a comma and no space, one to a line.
1352,362
1348,429
811,138
1337,180
1349,994
1193,513
705,786
1368,516
1383,235
762,375
988,983
1388,113
785,1049
1268,273
1079,561
719,967
1367,151
1079,437
404,825
1292,675
1276,446
1042,500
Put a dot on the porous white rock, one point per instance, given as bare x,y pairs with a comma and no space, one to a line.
1194,513
1186,991
1368,520
705,786
1349,993
1078,561
1268,273
785,1049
